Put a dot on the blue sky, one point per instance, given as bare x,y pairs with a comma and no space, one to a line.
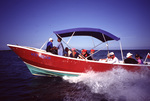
31,22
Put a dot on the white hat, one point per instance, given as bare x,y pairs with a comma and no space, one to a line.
111,53
129,54
50,39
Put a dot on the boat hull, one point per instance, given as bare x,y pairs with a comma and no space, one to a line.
44,63
46,72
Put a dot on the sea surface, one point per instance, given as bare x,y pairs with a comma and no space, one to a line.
18,84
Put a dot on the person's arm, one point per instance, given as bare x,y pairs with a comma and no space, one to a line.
80,56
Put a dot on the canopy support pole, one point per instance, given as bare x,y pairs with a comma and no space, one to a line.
106,42
121,50
46,41
71,37
93,42
107,47
146,57
63,40
68,44
97,45
98,51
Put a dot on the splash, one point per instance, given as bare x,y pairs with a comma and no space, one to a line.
117,85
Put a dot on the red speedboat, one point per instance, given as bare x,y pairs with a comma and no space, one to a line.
43,63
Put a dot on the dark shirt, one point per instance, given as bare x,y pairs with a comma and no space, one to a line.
76,55
54,51
49,47
86,55
50,44
130,61
65,53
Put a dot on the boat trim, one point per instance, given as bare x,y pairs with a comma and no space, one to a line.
73,73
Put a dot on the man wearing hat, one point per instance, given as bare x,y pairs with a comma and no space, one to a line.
114,59
129,59
84,54
91,53
49,45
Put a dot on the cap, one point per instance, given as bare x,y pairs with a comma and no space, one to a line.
50,39
73,49
84,50
129,54
111,53
92,50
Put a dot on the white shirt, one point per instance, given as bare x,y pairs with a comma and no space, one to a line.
60,49
115,60
108,59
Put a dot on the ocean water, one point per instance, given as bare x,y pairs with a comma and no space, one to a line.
18,84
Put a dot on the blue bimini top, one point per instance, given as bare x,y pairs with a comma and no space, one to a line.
97,33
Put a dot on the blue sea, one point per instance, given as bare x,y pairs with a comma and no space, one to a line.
18,84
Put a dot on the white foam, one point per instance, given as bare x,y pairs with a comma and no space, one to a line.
118,84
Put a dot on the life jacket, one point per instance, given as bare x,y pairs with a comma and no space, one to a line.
85,55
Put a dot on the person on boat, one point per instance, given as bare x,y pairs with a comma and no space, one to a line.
80,56
69,52
74,54
66,52
113,58
129,59
92,53
60,48
84,54
106,59
54,50
139,59
49,45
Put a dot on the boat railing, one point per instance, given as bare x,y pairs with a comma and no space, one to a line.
36,49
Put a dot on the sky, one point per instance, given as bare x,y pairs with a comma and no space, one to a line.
32,22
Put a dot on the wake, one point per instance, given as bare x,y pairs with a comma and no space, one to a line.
118,84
